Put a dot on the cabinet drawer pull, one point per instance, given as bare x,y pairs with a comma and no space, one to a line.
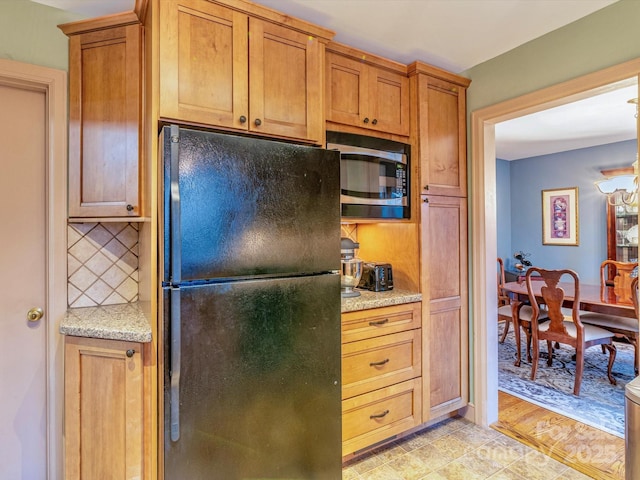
258,122
129,208
379,364
243,119
379,322
130,352
379,415
366,120
375,121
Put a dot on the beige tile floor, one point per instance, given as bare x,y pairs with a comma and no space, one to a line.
457,449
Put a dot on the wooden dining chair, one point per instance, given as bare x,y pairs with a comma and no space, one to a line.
504,302
523,313
561,328
622,327
618,275
634,295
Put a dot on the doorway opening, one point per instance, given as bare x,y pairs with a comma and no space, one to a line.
483,227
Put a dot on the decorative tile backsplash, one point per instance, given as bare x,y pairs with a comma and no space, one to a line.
349,230
102,263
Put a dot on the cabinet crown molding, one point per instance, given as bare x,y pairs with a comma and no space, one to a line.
366,57
418,67
100,23
274,16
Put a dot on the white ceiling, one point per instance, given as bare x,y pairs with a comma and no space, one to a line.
456,35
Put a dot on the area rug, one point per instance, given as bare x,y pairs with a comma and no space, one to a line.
599,404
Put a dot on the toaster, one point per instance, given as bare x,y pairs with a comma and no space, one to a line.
377,277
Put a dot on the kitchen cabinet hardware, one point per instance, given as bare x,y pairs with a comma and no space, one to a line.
425,200
130,352
374,121
426,187
35,314
379,415
258,122
380,363
129,208
243,119
379,322
366,120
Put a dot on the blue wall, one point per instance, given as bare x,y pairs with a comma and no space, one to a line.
503,202
575,168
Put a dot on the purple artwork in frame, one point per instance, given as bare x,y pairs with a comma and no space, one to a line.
560,216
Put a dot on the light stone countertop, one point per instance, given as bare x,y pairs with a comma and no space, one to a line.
368,299
127,321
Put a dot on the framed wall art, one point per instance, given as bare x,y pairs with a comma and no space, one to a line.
560,216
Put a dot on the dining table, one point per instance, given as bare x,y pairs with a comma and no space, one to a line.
593,298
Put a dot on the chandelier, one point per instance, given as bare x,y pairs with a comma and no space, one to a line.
622,189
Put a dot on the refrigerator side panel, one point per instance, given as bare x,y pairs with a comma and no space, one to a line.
255,207
259,381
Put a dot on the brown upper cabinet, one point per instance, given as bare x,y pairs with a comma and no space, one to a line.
366,91
253,70
105,104
439,123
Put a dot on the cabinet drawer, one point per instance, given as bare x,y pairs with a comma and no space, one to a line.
380,321
379,362
376,416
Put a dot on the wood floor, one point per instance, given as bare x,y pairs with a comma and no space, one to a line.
584,448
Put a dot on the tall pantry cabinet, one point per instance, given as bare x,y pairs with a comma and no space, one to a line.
438,120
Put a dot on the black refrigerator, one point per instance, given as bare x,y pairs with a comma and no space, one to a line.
251,308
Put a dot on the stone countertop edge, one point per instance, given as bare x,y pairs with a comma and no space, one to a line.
126,321
368,299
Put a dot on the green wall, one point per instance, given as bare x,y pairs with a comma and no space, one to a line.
29,33
605,38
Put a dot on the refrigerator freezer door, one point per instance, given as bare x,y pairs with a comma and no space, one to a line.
259,381
249,207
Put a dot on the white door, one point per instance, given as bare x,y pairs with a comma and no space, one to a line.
23,413
33,118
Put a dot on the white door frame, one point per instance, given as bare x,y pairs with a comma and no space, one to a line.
483,214
53,83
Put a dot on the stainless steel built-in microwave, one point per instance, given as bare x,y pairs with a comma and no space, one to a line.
374,176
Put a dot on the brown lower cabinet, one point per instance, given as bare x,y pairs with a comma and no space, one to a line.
381,374
444,302
103,409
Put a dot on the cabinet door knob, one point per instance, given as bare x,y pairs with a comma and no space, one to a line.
374,121
426,200
258,122
426,187
129,208
243,119
130,352
366,120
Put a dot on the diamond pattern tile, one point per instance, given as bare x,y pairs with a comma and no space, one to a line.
102,263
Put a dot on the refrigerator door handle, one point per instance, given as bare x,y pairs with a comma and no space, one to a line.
175,364
176,228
